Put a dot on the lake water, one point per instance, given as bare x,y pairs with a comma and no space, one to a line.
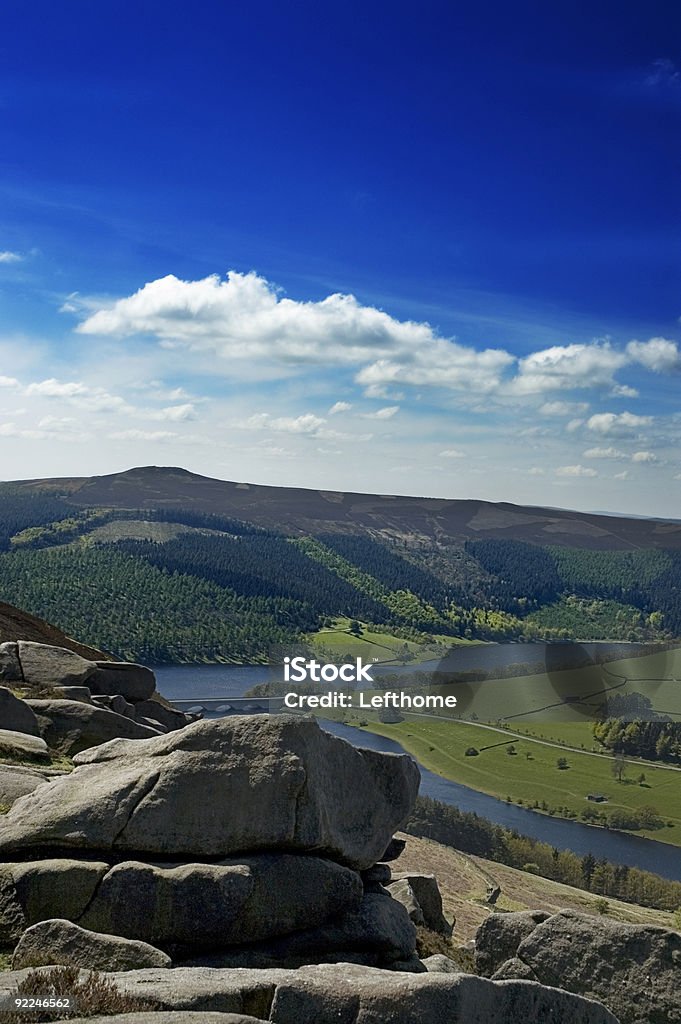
214,684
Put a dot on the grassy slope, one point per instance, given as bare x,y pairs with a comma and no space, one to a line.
439,745
463,883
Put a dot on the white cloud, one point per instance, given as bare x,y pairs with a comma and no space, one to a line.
386,413
53,388
174,413
565,367
623,391
660,355
306,423
244,318
563,408
10,257
452,453
644,457
605,453
143,435
9,382
575,471
624,475
617,423
338,407
536,471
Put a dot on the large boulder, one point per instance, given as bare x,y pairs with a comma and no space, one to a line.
64,943
221,787
229,903
134,682
21,746
634,969
16,715
349,994
17,781
426,893
38,890
44,665
71,726
10,666
498,937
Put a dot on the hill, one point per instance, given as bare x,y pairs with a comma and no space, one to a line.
304,511
162,565
16,624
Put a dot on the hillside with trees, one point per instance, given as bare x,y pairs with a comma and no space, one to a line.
154,565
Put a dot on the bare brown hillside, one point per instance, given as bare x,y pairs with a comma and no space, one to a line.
304,511
19,625
463,881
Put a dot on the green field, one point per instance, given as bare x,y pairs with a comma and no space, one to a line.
531,775
337,641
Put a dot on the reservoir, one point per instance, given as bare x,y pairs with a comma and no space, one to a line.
217,683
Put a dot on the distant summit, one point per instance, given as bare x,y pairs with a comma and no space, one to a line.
300,511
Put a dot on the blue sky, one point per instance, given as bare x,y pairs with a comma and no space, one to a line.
427,249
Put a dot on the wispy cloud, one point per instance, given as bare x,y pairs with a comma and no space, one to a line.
622,423
575,471
6,256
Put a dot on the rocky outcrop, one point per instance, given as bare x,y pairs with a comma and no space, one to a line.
241,838
634,969
351,994
221,787
75,703
61,942
70,726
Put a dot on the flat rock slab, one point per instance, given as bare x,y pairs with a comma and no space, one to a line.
21,745
64,943
222,787
348,994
